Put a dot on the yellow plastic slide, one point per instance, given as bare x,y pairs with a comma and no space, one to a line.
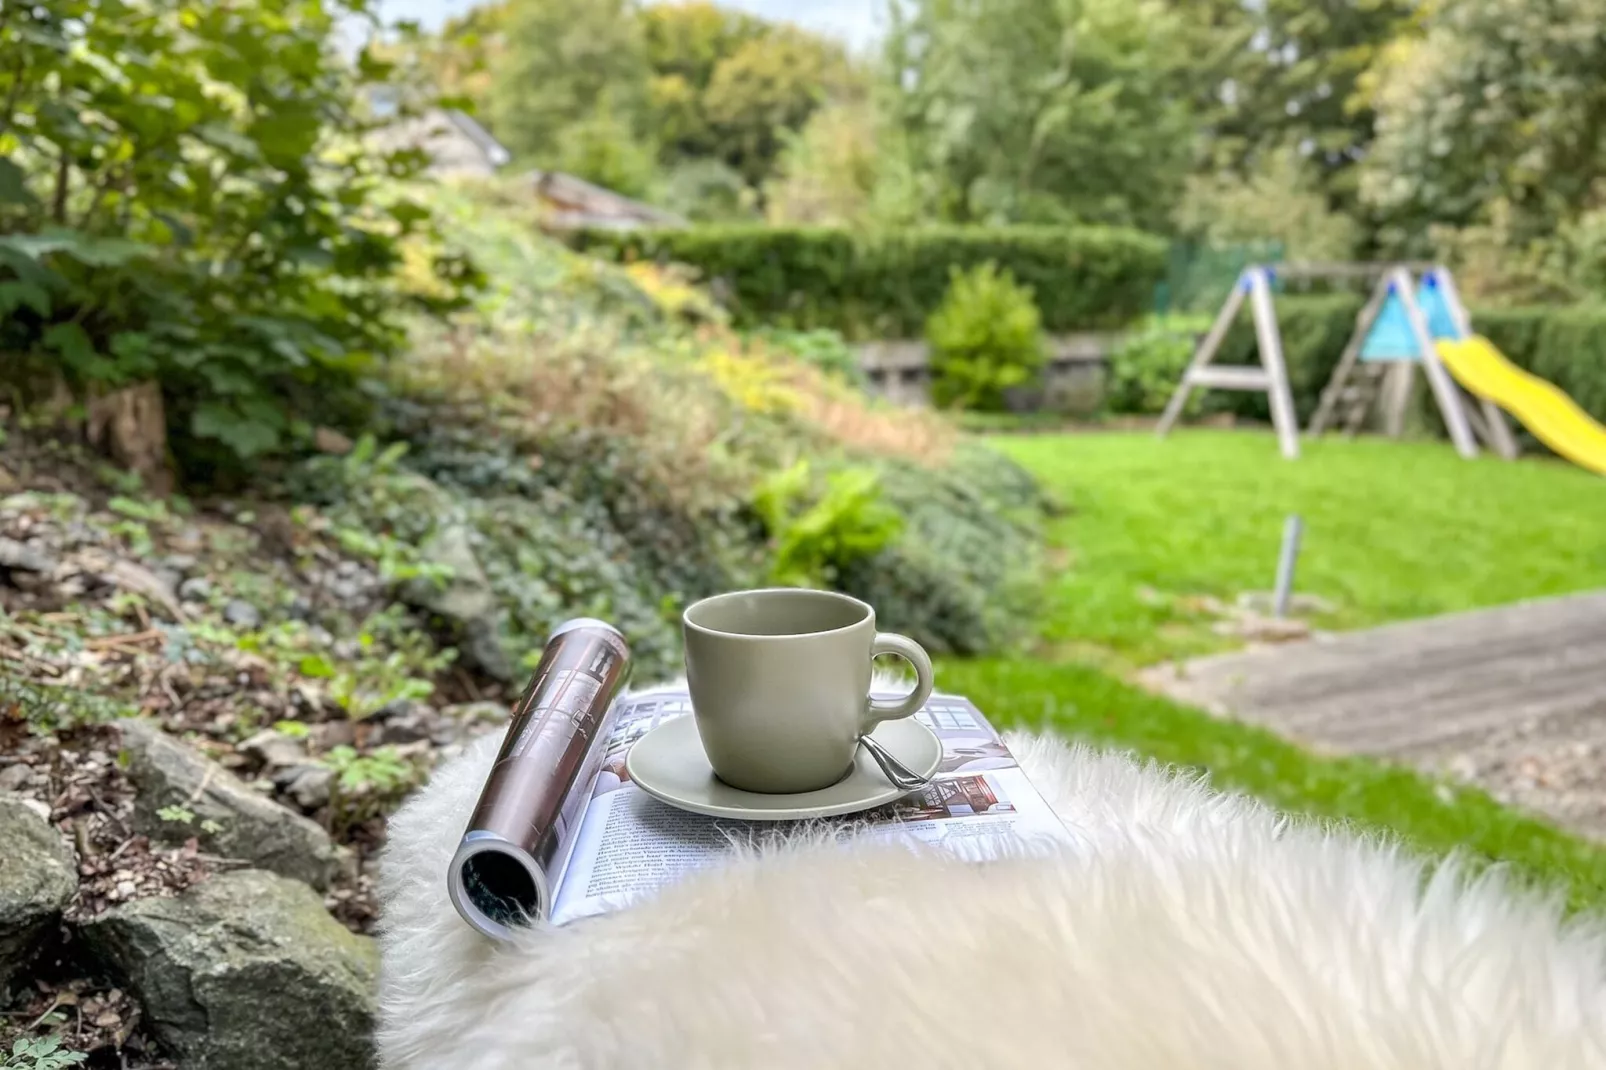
1553,417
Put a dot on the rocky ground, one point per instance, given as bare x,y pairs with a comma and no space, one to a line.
206,711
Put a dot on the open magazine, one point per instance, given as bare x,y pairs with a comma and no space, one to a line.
561,833
978,804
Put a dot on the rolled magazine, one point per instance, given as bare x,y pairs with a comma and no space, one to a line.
518,840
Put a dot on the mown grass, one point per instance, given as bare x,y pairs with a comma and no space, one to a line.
1393,530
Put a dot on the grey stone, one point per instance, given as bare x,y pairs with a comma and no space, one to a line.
469,712
465,599
183,564
38,877
195,589
1299,604
21,557
1257,629
242,614
309,785
14,777
464,596
132,576
299,608
230,819
246,971
396,707
409,724
345,590
482,649
330,734
274,749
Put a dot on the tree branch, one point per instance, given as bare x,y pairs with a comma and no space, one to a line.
58,204
102,188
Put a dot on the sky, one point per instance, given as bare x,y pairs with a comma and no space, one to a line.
853,21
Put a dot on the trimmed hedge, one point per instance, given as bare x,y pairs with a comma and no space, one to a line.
1566,345
886,285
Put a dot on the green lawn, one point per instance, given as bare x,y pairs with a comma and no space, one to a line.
1393,530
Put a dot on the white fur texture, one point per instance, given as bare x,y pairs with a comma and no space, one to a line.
1200,932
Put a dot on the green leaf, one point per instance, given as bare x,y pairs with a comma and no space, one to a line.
85,248
229,140
247,437
371,68
183,234
14,185
316,666
407,213
19,294
73,343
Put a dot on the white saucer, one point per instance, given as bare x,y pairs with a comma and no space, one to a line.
668,763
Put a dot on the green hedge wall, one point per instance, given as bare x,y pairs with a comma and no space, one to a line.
1565,345
885,285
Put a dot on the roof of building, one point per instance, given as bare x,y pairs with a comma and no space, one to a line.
495,152
573,203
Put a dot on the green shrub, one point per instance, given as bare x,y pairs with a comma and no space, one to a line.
965,575
1146,367
986,338
885,285
825,349
180,205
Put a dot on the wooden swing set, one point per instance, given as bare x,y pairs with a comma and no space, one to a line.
1410,306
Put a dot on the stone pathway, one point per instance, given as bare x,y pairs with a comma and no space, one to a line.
1512,699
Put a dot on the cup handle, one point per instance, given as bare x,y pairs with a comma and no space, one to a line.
880,710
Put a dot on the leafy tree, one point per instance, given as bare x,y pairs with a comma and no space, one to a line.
1282,75
846,167
769,85
186,209
1045,110
461,60
1280,200
603,148
1494,113
707,191
685,44
564,59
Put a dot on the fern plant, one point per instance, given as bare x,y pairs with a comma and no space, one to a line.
814,541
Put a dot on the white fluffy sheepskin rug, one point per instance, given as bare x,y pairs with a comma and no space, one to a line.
1195,930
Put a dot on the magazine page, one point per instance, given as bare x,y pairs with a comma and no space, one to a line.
979,804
